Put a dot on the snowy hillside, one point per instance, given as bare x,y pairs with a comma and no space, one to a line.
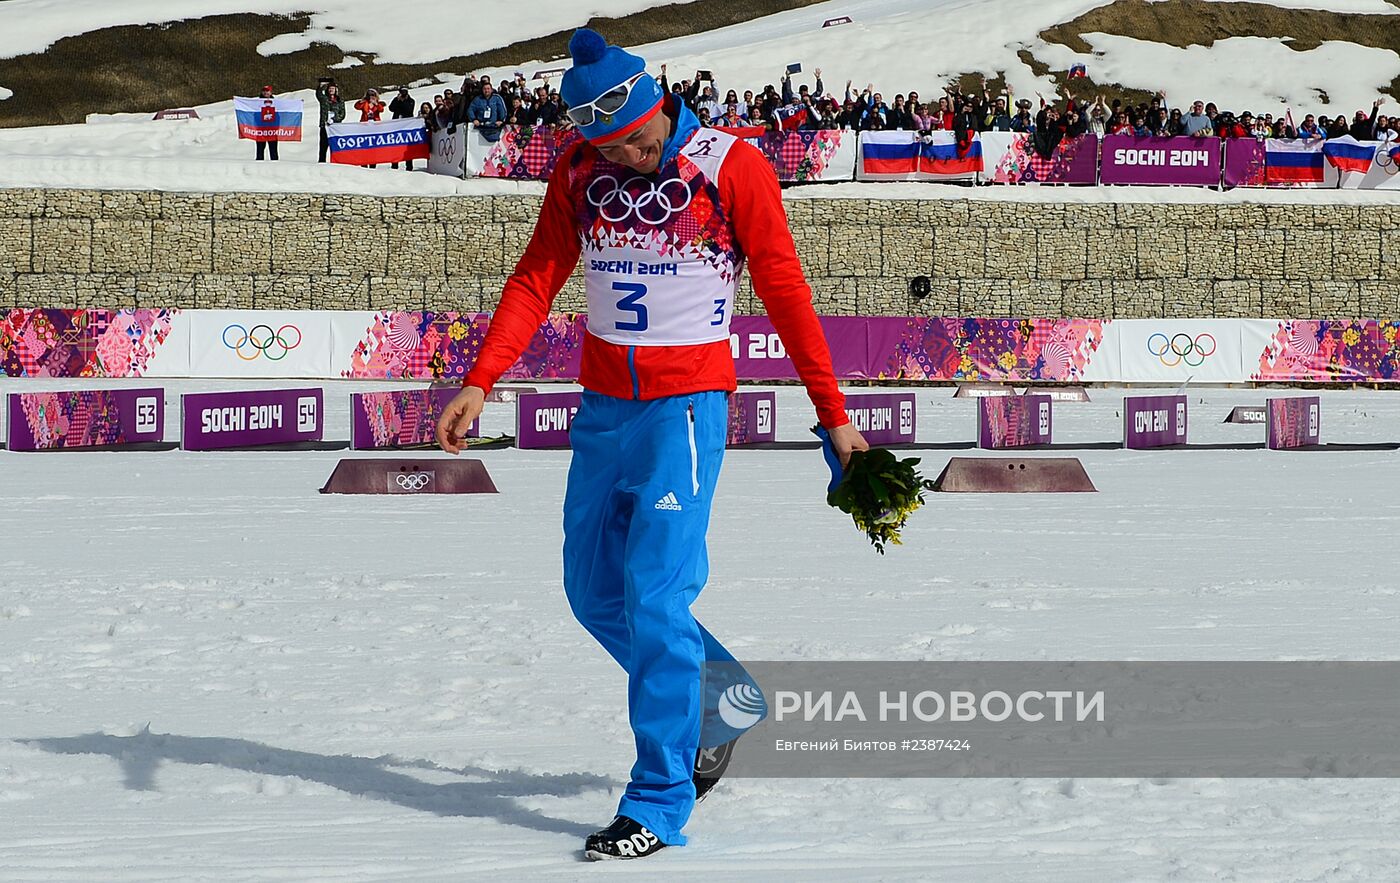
894,44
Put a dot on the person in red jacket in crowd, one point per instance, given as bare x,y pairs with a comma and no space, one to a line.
666,214
370,108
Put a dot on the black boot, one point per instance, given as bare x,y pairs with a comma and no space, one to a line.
624,838
710,764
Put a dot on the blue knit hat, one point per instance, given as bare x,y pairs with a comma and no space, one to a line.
598,68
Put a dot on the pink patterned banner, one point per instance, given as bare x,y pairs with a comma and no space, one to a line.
80,343
1015,350
527,152
400,418
1321,350
436,346
810,155
85,418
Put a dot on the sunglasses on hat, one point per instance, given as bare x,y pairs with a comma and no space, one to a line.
610,102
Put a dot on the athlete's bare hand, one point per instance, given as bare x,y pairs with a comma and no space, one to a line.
846,439
457,417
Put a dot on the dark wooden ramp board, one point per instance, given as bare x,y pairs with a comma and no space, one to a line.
1014,475
1247,414
395,475
983,390
1062,393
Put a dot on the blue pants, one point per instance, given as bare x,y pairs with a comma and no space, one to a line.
635,515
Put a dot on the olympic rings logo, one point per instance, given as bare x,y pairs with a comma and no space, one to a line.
650,203
262,341
413,481
1182,347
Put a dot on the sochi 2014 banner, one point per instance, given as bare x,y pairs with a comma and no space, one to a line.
268,119
524,152
389,141
1011,158
914,156
1128,159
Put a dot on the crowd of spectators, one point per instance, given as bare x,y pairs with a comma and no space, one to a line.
490,106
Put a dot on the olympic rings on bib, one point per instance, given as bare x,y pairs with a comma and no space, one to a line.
413,481
263,341
653,204
1181,347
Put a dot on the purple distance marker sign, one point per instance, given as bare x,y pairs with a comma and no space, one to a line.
751,418
216,420
1154,421
400,418
1013,422
85,419
543,419
885,418
1294,422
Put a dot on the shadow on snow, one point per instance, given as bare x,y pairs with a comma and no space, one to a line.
373,777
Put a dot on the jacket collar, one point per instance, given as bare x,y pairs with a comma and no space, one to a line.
686,124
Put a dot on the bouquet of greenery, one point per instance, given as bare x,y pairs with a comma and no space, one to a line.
878,490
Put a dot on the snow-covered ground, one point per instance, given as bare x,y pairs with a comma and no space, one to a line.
210,672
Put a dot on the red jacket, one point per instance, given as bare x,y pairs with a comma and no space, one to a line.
749,192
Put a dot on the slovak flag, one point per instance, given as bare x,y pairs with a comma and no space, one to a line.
268,119
791,116
389,141
1078,70
1293,161
1346,154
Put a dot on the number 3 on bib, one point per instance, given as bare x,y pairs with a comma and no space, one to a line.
632,303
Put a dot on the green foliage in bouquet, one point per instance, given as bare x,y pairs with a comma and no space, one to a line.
879,492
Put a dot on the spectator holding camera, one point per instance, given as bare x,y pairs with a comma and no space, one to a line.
429,117
332,110
487,113
370,107
997,118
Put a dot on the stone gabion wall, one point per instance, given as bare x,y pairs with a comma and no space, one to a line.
81,248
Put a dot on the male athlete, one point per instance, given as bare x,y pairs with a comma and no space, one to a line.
665,214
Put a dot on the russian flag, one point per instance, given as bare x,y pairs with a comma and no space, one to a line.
1293,161
1347,154
911,155
390,141
1395,153
1077,71
268,119
791,116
